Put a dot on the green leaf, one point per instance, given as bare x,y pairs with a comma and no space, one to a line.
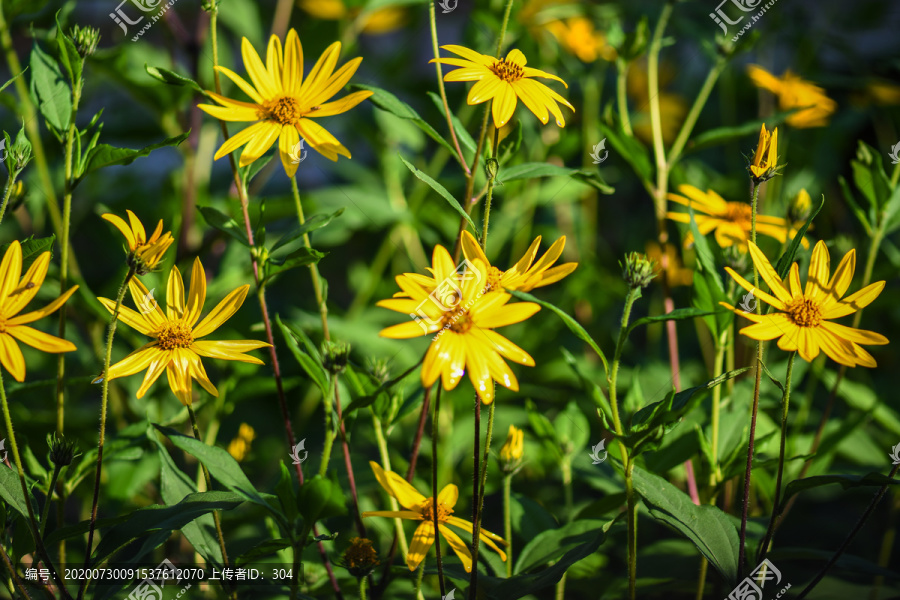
784,263
548,546
284,489
705,255
225,224
321,498
572,428
11,492
679,314
723,135
32,249
710,529
173,78
443,192
311,224
628,147
311,365
462,135
298,258
591,387
261,550
68,53
51,92
845,481
571,323
537,169
4,86
104,155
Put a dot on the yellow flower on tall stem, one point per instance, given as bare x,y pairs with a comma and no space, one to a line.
795,92
464,317
177,346
419,508
803,321
283,103
16,291
144,253
730,220
578,36
765,159
505,81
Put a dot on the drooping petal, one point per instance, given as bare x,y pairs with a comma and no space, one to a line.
399,488
42,312
504,105
11,357
241,138
532,102
178,374
459,548
222,312
135,362
287,140
479,373
229,350
860,336
421,543
196,370
40,340
507,349
453,359
160,360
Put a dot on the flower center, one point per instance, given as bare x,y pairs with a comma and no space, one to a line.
738,212
457,320
174,334
508,71
804,312
444,511
494,277
284,110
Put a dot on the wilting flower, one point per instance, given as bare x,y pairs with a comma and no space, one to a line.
239,447
765,159
382,20
504,81
464,317
144,254
803,321
360,558
730,220
420,508
794,92
676,273
283,103
578,36
177,346
512,450
16,291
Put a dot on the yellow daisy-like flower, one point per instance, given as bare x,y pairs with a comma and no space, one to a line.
420,508
730,220
16,291
177,346
382,20
284,103
578,36
765,160
464,317
794,92
803,321
239,447
676,273
144,253
505,81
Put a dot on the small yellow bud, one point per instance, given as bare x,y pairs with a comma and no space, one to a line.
512,450
800,207
765,160
240,445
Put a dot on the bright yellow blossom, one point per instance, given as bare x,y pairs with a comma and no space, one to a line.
803,318
284,104
419,508
505,81
765,159
382,20
177,346
794,92
239,447
16,291
512,449
144,254
578,36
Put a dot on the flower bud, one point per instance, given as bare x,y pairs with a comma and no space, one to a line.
800,207
86,39
336,355
638,270
62,452
360,558
512,451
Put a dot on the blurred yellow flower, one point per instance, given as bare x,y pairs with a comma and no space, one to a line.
730,220
578,36
382,20
800,207
144,254
794,92
676,274
16,291
420,508
512,449
505,81
765,160
240,445
177,348
883,93
803,321
672,107
464,317
284,104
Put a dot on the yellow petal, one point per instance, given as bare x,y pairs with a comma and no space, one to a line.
410,329
140,235
476,57
229,350
421,542
135,362
257,71
222,312
479,374
840,281
175,295
260,143
770,300
399,488
340,106
854,302
321,71
40,340
42,312
860,336
179,379
453,359
321,140
819,271
229,113
449,495
336,82
507,314
23,294
196,294
767,272
122,226
196,370
397,514
242,83
274,66
532,102
769,327
11,357
286,142
506,348
10,269
485,89
241,138
459,548
160,359
292,76
504,105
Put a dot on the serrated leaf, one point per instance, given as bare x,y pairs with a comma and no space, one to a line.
32,249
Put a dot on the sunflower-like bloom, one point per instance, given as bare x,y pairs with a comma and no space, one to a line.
730,220
144,254
464,316
794,92
284,104
420,508
803,321
578,36
177,346
765,159
505,81
16,291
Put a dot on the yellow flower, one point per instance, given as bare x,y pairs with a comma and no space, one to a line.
144,254
16,291
676,273
803,321
578,37
794,92
765,160
883,93
800,207
504,81
240,445
512,449
360,558
382,20
177,348
420,508
730,220
284,104
525,275
464,318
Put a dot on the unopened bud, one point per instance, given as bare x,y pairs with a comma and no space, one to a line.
638,270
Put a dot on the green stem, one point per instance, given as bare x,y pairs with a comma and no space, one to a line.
45,513
329,430
435,417
362,580
313,268
699,102
419,576
785,403
621,79
476,523
15,576
386,463
490,191
440,79
659,152
507,522
503,26
10,185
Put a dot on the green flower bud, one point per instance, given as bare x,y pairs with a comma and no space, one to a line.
638,270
